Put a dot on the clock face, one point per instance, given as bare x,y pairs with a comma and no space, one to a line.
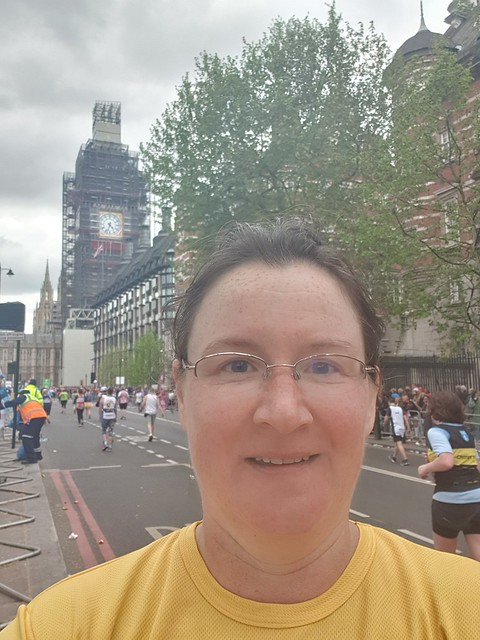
110,225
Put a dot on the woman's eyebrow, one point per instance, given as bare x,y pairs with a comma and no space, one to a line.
231,344
251,346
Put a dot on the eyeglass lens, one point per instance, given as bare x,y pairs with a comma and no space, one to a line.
315,369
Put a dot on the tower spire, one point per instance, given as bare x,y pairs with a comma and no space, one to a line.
47,274
423,26
44,309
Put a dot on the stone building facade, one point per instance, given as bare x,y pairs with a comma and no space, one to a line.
40,351
137,301
437,218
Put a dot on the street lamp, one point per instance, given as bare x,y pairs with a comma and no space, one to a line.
9,273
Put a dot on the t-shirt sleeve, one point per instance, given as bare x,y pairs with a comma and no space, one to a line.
439,441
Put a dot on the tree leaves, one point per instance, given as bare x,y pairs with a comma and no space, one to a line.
308,120
142,366
273,131
420,176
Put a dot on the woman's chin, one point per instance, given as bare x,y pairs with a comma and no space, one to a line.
288,517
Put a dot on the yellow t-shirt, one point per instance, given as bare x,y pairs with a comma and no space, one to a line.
392,588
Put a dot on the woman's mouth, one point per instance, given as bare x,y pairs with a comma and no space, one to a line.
281,461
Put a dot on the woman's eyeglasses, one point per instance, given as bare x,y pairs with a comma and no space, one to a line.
332,370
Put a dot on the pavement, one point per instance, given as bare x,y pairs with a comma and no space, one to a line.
30,555
411,446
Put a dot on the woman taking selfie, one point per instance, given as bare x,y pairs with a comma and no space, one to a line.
274,332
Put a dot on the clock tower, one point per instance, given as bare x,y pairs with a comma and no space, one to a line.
105,214
110,224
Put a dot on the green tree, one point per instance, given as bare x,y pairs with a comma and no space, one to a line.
468,9
278,129
308,121
111,366
147,361
421,177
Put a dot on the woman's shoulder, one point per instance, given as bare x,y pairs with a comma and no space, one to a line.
119,586
420,564
428,591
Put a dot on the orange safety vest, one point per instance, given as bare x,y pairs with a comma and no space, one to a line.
31,409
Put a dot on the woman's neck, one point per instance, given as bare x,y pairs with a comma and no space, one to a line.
282,571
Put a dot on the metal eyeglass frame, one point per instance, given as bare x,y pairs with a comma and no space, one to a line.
367,369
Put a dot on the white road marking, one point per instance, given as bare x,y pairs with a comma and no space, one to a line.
396,475
155,531
417,536
168,463
359,514
135,441
134,438
110,466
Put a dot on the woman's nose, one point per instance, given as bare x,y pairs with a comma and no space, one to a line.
282,403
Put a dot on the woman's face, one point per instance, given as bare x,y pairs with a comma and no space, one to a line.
243,442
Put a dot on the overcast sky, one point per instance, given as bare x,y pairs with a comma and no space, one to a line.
57,57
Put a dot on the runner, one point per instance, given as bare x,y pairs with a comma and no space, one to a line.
123,398
108,411
150,405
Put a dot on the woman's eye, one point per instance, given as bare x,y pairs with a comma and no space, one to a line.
238,366
320,367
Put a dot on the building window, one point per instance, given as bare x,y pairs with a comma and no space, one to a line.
404,324
450,216
454,291
397,291
445,142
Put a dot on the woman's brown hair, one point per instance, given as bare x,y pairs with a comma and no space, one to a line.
446,406
276,243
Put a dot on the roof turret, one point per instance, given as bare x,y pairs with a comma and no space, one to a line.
423,42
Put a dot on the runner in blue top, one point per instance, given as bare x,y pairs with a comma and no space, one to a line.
452,459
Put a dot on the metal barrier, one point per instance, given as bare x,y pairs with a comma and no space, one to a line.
473,422
416,421
434,373
10,482
417,424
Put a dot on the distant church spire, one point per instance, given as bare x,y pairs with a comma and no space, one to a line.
44,310
46,280
423,26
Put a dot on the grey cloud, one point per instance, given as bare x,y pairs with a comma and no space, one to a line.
59,56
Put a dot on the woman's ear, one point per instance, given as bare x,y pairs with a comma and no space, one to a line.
178,376
176,370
